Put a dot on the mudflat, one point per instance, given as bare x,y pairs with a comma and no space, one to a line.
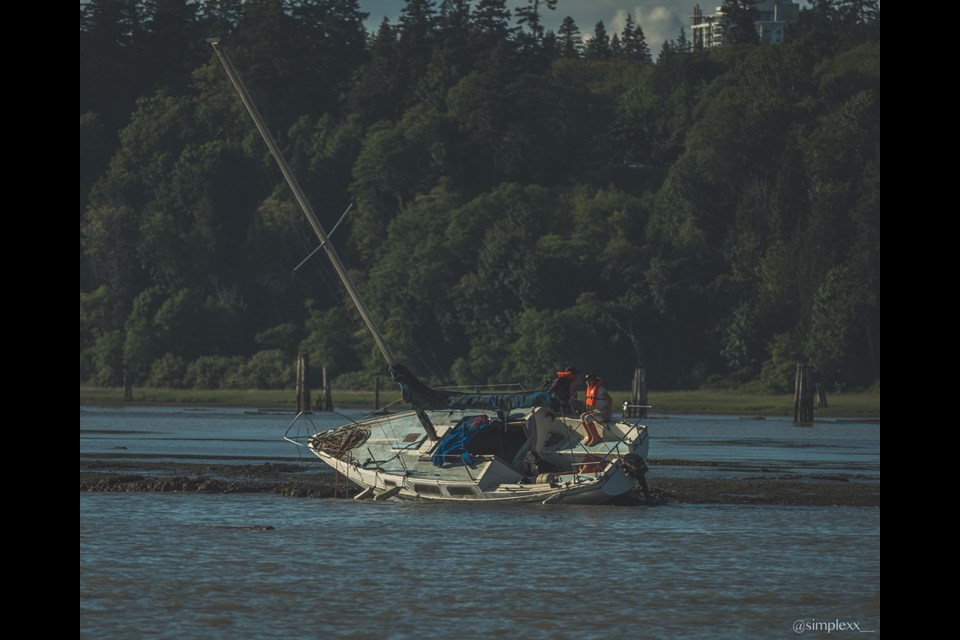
308,481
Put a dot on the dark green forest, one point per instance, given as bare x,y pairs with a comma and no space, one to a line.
521,200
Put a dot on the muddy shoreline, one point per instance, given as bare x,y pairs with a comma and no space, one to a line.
307,481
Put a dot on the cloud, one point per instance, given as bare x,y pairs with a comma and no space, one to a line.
660,24
660,19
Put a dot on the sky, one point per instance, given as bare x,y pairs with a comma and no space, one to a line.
661,19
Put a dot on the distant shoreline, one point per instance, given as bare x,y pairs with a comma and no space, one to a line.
861,406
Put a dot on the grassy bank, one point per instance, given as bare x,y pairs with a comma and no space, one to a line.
847,405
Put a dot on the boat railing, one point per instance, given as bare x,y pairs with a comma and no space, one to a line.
305,429
634,411
507,387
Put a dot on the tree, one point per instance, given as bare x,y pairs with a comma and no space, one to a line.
529,15
330,338
378,90
491,23
508,208
616,49
683,45
397,162
667,50
837,343
331,44
569,39
454,22
221,17
261,50
108,71
417,29
172,46
634,42
739,20
598,47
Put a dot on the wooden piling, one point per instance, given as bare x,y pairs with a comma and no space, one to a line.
376,394
638,394
127,389
327,403
803,395
303,389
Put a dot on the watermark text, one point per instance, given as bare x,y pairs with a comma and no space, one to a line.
802,626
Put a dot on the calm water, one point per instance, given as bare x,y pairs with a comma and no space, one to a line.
180,566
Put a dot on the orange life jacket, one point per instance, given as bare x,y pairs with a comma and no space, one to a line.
592,392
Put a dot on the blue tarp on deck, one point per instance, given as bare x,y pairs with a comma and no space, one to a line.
455,443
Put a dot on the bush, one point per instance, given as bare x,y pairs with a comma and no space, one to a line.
168,372
106,358
265,370
778,373
359,381
211,372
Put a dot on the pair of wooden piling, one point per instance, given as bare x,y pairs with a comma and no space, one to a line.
805,390
325,402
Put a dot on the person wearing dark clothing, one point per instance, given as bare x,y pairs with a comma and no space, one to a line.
563,388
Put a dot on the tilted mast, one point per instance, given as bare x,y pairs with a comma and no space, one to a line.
314,222
304,204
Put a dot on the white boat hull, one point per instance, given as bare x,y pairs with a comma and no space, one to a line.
538,457
396,460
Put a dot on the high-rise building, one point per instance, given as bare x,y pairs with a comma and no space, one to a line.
773,17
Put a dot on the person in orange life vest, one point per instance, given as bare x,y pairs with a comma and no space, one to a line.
564,389
599,409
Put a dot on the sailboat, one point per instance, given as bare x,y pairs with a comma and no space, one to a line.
454,446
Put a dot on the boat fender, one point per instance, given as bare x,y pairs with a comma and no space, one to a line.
635,466
389,493
546,478
363,495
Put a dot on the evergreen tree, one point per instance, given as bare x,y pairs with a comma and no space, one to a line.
454,19
530,16
569,40
332,44
634,42
667,51
491,21
172,47
417,30
221,17
598,47
683,45
378,92
739,20
108,74
752,191
616,49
